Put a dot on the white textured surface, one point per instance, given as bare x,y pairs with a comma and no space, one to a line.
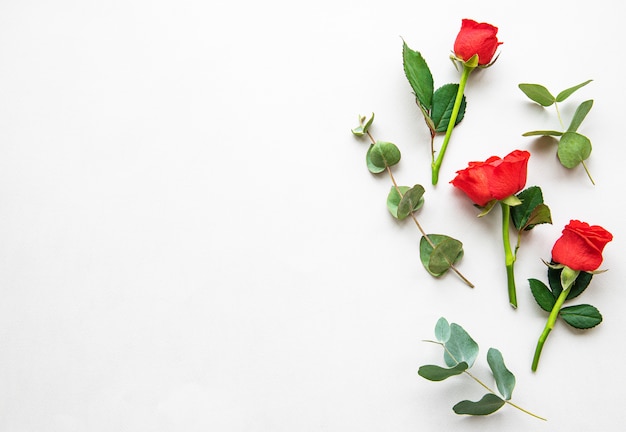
190,239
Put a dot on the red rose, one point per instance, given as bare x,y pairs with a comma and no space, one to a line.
495,178
580,247
476,38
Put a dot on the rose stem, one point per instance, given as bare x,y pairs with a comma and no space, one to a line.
509,258
436,165
554,314
419,227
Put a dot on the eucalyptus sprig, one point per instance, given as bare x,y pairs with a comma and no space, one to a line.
573,147
438,253
460,353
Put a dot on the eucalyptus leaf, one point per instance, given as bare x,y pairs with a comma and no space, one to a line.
582,316
443,102
384,154
489,404
363,126
537,93
542,294
460,347
412,200
505,380
419,76
573,149
374,169
442,330
393,199
446,251
580,114
568,92
580,285
438,373
542,133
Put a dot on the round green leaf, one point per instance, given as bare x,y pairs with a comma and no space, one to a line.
394,198
384,154
370,165
460,347
505,380
437,260
582,316
489,404
573,149
412,200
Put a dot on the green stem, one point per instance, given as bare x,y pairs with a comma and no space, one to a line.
509,258
554,314
436,165
588,173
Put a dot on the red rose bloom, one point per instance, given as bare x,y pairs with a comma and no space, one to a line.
581,245
495,178
476,38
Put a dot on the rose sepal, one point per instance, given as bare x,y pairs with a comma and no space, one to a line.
512,201
557,266
486,208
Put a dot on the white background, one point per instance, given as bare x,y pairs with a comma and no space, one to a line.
190,239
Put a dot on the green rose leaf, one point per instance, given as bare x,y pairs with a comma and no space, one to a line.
419,76
437,260
374,169
382,155
489,404
438,373
460,347
443,102
442,330
393,199
582,316
412,200
542,294
580,114
573,149
581,283
542,133
530,198
537,93
505,380
568,92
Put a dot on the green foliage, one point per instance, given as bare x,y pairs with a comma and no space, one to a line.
460,352
402,204
542,294
442,330
418,74
364,125
532,211
582,316
446,252
489,404
443,101
505,380
538,93
435,105
383,155
438,373
580,284
574,148
460,347
438,253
